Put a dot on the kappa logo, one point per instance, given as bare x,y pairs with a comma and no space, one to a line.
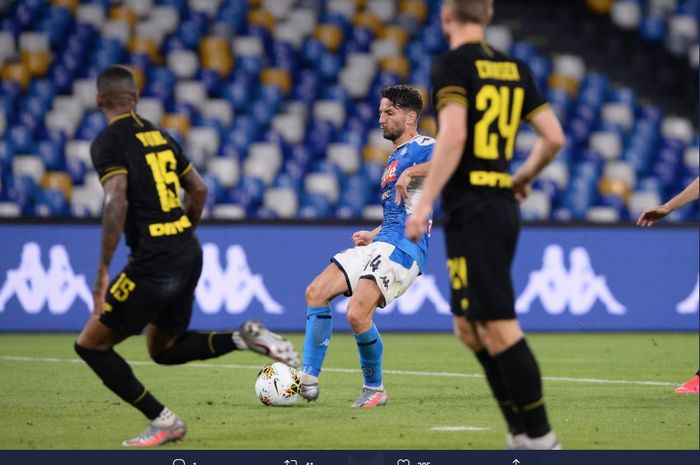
423,288
233,287
578,288
389,173
56,287
690,304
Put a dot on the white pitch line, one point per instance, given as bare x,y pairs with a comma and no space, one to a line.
443,374
458,428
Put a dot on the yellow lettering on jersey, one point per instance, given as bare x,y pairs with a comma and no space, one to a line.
151,138
490,179
169,229
502,71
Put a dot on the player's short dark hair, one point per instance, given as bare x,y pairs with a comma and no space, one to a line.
402,96
471,11
116,84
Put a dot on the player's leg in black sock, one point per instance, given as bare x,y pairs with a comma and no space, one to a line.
116,374
193,345
498,388
522,380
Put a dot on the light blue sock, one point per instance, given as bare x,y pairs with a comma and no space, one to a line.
319,328
371,348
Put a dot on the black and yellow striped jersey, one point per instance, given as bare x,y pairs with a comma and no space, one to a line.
156,224
498,92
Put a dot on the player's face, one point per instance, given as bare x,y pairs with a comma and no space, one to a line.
392,120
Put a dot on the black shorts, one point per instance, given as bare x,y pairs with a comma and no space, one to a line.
480,249
138,296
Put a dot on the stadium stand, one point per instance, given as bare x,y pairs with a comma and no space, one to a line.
275,100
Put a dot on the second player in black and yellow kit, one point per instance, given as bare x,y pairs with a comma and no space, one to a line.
482,221
142,170
166,258
481,96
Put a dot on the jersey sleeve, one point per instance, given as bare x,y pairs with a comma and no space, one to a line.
424,150
449,86
534,101
183,163
108,157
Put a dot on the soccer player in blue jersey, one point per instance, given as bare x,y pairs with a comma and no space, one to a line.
383,263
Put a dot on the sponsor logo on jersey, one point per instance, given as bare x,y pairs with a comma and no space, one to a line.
576,289
390,173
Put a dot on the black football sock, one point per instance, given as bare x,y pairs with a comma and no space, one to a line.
196,346
116,374
523,383
495,380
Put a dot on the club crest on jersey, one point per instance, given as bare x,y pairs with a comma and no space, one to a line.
390,173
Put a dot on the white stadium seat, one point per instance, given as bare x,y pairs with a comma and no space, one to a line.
184,63
202,144
226,170
91,13
607,143
28,165
640,201
330,110
151,109
325,184
228,212
219,109
602,215
536,206
282,200
620,170
85,91
373,212
192,92
290,127
345,156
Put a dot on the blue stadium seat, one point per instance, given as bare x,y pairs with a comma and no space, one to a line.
51,202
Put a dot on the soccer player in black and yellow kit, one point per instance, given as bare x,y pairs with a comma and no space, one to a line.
142,170
480,96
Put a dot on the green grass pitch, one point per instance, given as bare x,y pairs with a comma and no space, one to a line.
603,391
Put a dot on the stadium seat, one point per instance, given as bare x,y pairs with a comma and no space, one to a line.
373,213
228,212
536,206
640,201
607,143
627,14
17,72
58,180
226,170
176,122
215,53
183,63
282,200
10,210
600,214
28,165
345,156
622,171
325,184
677,128
202,144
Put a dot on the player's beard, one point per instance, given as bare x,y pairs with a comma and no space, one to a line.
392,136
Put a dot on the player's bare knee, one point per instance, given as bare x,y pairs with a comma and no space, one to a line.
315,297
468,338
358,320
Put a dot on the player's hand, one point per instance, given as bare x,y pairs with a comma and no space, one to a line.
362,238
402,187
99,291
417,224
652,215
521,189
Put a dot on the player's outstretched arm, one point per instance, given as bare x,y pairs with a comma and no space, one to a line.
550,141
652,215
195,195
113,219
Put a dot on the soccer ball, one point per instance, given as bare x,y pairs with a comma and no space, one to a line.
278,384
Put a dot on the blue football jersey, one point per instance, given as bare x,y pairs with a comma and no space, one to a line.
415,151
